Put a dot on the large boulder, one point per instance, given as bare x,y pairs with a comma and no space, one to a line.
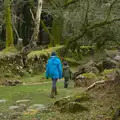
37,108
74,107
3,100
89,67
85,79
82,97
73,104
109,74
106,64
62,101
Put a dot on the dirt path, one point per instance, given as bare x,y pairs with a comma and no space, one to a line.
40,83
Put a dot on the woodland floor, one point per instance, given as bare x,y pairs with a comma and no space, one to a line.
38,93
37,89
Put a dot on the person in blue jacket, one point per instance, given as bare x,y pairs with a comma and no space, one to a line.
54,71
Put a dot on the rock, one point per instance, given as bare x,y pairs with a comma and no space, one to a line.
11,82
80,81
1,114
86,68
37,108
109,74
23,107
82,97
23,101
20,108
106,64
74,107
14,108
62,101
15,116
111,53
3,101
94,70
85,79
117,58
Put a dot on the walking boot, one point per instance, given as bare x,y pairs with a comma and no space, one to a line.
52,95
65,86
56,93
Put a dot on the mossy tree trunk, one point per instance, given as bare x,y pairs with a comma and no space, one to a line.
57,27
48,32
8,23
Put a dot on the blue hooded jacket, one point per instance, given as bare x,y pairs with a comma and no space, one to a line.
54,68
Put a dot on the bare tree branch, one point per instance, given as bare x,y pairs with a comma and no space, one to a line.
71,2
32,15
86,14
109,9
101,24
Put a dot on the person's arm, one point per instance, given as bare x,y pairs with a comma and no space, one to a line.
60,70
47,71
63,71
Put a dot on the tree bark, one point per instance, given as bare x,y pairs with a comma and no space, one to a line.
8,24
37,24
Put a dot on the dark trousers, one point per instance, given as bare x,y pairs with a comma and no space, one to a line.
66,80
54,88
54,81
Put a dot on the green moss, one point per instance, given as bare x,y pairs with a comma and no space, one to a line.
72,61
62,101
44,52
8,23
89,75
74,107
57,26
9,51
82,97
47,30
108,71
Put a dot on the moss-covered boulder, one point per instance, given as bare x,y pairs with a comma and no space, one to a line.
62,101
74,107
82,97
106,64
86,68
109,74
85,79
74,103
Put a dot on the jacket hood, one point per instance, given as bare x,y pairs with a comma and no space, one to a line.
54,59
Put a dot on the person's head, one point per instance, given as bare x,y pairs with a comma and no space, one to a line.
53,54
65,63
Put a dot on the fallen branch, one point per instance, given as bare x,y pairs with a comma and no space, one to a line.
98,83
